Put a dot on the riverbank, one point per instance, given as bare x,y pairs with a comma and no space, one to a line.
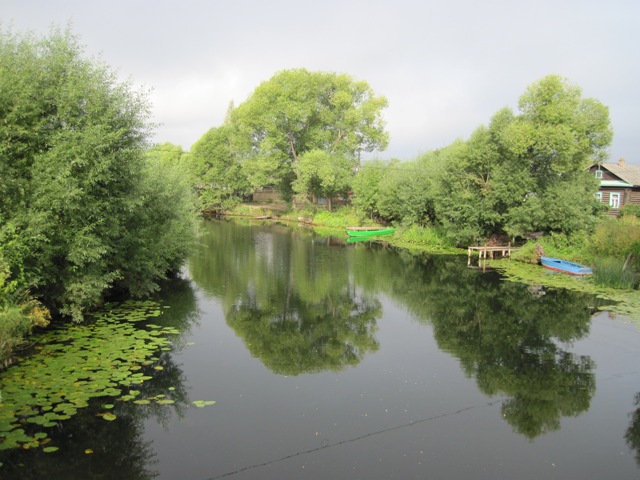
622,302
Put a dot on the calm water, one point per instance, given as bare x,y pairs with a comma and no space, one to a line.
330,360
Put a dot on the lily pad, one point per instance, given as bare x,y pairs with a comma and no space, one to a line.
75,364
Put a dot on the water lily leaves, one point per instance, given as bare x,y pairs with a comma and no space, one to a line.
202,403
77,363
50,449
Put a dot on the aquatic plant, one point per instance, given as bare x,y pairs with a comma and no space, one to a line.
108,357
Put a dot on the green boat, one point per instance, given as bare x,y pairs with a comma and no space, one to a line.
369,231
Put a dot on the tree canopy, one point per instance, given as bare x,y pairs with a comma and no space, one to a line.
521,173
297,112
81,209
217,176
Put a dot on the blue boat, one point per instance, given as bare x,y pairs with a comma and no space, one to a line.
565,266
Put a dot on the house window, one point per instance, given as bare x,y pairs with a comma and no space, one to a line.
598,173
599,196
614,200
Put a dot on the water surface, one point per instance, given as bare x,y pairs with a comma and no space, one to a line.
336,360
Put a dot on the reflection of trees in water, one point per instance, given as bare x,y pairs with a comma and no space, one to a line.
295,304
90,448
308,338
632,435
507,335
288,296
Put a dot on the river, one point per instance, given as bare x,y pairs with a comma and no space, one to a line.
327,359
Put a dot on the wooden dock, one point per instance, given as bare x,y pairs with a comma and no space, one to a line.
489,251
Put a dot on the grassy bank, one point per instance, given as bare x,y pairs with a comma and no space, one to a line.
614,281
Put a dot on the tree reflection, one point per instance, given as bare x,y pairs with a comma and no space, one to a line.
632,435
308,338
509,336
302,307
291,299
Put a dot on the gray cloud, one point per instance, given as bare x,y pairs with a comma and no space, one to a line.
446,66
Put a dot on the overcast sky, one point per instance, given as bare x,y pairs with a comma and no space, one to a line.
446,66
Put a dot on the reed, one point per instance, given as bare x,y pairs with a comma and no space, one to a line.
614,272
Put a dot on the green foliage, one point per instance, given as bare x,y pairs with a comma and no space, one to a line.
401,192
77,194
366,186
298,111
630,210
570,247
216,173
19,314
526,172
339,218
433,238
616,237
319,173
404,194
161,231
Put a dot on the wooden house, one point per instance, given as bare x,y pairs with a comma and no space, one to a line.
619,184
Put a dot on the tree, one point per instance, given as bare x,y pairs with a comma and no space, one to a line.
405,193
527,172
319,173
167,154
298,111
366,186
217,175
556,137
76,192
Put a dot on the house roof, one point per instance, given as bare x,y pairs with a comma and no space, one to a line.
627,173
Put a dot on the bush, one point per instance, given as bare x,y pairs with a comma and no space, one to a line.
630,210
433,237
19,314
339,218
617,237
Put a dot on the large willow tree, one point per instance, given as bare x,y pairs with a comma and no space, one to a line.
81,210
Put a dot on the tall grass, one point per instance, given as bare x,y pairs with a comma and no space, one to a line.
432,237
613,272
340,218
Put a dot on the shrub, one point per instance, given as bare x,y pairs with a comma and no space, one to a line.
617,237
630,210
432,236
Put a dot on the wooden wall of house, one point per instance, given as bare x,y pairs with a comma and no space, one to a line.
606,196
